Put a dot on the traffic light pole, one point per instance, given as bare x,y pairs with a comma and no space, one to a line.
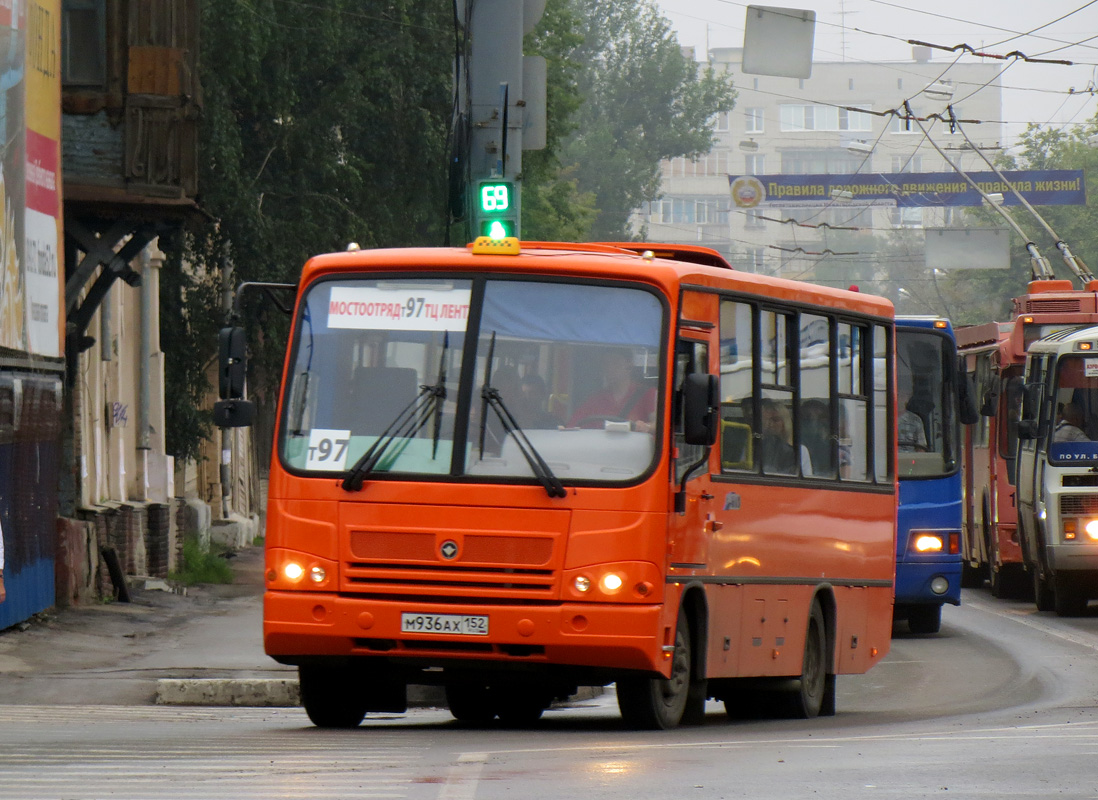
498,113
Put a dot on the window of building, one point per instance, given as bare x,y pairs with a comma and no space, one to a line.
720,123
822,160
796,117
752,218
912,163
83,43
753,120
754,164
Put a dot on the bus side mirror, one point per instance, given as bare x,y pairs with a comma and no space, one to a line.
1027,429
232,363
233,413
966,400
990,404
701,409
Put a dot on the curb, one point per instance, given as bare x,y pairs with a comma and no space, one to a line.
285,693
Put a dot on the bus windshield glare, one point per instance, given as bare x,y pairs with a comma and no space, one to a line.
571,371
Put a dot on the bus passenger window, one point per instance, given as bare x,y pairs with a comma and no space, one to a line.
737,442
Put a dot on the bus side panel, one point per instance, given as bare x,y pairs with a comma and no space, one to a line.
787,543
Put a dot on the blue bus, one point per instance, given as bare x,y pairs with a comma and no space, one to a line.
932,401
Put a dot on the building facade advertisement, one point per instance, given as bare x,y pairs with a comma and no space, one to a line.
30,196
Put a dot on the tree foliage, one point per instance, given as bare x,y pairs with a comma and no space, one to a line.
642,101
323,123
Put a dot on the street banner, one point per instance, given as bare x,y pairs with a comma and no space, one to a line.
1052,187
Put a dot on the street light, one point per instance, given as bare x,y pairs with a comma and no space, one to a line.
860,147
749,146
993,199
842,195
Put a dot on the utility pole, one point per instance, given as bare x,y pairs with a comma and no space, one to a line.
505,98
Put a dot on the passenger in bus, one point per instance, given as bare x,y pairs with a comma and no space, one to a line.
533,412
775,449
910,430
624,397
1069,428
816,436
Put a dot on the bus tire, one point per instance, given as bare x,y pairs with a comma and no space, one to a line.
331,696
925,619
473,703
659,703
520,705
808,698
1043,595
1068,597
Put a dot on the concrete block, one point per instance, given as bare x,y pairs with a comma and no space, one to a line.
255,692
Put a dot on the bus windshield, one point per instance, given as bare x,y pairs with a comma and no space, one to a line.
1076,423
926,404
570,371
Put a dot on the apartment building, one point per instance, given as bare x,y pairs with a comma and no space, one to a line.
848,118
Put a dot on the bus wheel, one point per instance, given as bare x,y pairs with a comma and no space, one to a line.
812,694
659,703
520,705
331,696
471,702
1042,592
925,619
1068,598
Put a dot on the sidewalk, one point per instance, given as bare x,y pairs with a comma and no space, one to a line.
127,653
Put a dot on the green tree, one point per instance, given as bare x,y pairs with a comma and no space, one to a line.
643,101
323,123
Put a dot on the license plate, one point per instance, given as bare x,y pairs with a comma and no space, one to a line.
460,624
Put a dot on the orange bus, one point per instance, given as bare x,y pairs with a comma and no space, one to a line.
516,469
995,357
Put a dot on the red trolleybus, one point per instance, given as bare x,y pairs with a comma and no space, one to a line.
512,470
995,355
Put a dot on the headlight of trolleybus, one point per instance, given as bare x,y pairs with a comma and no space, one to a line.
1081,529
287,569
928,542
632,582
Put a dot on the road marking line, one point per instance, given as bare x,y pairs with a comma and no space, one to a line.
463,777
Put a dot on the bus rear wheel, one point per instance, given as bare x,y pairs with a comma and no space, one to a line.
659,703
815,690
332,696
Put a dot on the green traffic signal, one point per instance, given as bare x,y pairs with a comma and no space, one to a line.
497,228
496,209
494,198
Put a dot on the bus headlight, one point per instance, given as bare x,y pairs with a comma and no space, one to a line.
611,583
939,584
582,584
293,571
928,543
317,574
1092,529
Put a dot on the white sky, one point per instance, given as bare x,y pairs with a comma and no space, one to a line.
878,30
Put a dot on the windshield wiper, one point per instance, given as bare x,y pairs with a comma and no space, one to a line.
491,397
410,421
440,394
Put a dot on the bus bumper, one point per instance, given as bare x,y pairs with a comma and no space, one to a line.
1073,557
614,637
928,583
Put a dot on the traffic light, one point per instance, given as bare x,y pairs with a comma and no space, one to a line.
496,209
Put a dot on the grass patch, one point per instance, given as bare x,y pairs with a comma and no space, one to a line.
202,565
